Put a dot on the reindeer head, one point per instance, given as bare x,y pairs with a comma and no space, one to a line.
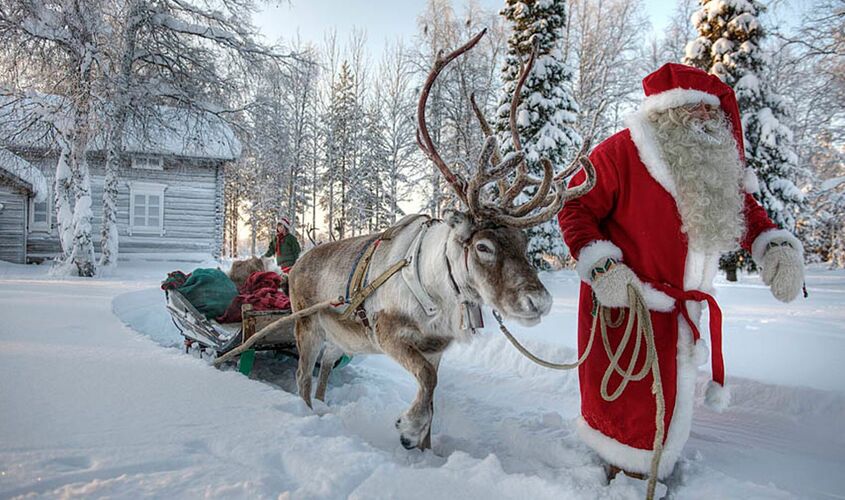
490,232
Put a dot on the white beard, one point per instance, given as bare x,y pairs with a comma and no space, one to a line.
704,162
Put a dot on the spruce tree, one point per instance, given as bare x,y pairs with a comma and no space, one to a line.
344,122
730,46
547,112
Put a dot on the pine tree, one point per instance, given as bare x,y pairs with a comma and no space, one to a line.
730,46
547,111
343,122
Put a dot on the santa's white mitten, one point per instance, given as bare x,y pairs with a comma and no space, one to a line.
610,282
783,270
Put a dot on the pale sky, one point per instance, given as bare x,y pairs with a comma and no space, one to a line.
382,19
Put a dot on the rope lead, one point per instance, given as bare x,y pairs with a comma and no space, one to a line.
640,317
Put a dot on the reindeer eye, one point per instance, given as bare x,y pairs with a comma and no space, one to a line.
483,248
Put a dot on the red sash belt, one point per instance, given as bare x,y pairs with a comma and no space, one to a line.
681,297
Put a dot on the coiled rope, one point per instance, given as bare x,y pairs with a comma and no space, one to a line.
643,333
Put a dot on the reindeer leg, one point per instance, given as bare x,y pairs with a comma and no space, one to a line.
434,359
308,343
415,422
330,356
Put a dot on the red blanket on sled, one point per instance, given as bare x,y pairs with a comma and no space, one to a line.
261,290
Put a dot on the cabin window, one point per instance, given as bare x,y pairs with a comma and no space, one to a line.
147,162
39,214
146,208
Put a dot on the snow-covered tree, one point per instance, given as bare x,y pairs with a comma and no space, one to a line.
730,46
302,106
679,31
822,228
436,32
182,53
117,112
343,122
548,112
397,103
64,41
603,43
451,123
367,197
809,70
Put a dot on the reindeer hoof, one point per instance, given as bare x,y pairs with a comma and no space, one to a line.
406,443
412,431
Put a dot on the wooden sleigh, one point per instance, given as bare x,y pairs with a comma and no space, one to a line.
219,339
238,342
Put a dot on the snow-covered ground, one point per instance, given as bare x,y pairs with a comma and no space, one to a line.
95,401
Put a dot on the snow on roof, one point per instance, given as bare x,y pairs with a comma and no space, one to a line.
31,123
21,169
181,132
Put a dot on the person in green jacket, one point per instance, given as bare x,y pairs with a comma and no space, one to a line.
284,245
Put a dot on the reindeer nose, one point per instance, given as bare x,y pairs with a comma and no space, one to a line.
539,303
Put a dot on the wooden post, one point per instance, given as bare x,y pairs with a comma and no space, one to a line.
247,322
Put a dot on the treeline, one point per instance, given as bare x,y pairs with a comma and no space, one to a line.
328,129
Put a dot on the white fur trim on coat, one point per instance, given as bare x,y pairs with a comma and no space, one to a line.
599,250
750,181
677,97
638,460
701,353
657,300
758,248
642,133
594,252
717,397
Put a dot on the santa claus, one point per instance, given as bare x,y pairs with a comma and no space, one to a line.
672,195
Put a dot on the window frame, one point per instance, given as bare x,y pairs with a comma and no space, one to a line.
41,227
151,162
146,189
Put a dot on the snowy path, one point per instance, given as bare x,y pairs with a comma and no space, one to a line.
92,408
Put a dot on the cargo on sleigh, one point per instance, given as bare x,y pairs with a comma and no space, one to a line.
215,316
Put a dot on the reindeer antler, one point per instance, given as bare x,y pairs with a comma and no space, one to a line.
551,191
423,138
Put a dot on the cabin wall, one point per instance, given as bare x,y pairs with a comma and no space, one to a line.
191,218
13,218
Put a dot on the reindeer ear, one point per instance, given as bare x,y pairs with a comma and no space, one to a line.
460,223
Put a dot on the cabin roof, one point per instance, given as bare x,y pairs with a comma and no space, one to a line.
21,171
33,123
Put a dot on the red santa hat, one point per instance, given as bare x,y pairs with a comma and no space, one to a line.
675,85
285,222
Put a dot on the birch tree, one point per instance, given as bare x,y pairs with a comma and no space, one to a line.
397,101
65,41
183,53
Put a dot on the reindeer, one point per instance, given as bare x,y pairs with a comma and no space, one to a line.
473,257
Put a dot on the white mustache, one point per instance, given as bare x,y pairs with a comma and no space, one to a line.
706,131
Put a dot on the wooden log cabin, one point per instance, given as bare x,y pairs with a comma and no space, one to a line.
21,185
170,188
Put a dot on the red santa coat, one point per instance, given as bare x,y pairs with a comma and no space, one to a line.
631,215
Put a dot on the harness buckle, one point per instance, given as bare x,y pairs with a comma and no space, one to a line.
361,315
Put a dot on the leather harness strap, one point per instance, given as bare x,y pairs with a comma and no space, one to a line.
411,273
356,289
